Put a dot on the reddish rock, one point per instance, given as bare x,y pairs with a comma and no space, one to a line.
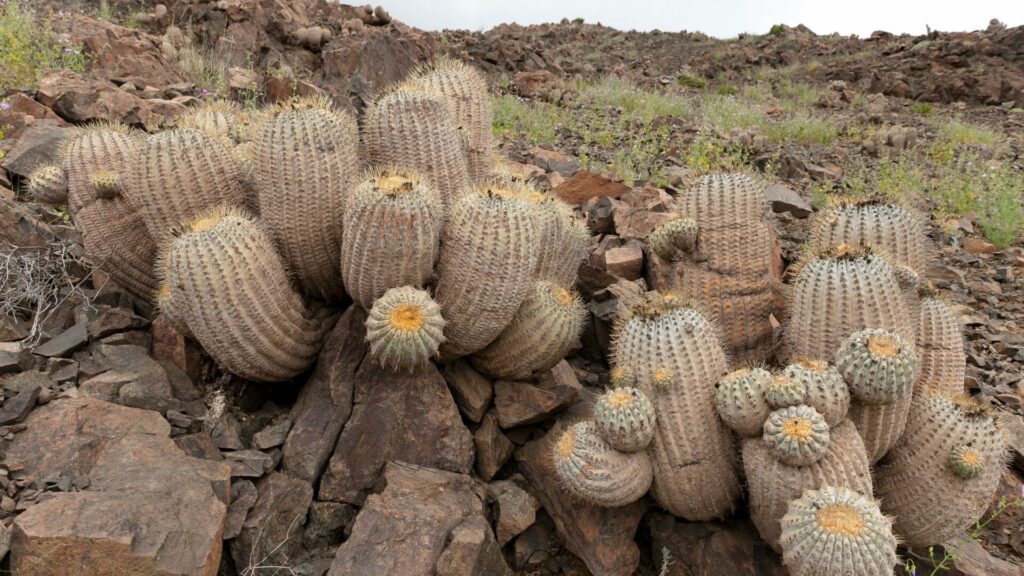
472,551
170,346
978,246
537,84
39,144
626,261
80,98
784,199
472,390
554,161
585,185
493,449
123,54
637,223
731,547
516,511
520,403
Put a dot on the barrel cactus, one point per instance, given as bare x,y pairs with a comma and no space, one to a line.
835,530
940,348
724,198
675,238
783,391
48,184
404,328
562,238
625,417
392,226
221,119
825,389
798,435
592,470
739,400
889,229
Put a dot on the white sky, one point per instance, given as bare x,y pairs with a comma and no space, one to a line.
720,18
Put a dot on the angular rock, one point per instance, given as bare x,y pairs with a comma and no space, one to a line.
243,498
585,185
227,433
198,445
978,246
472,391
271,436
80,98
272,532
626,261
637,223
39,144
472,551
16,409
13,358
151,390
536,84
115,320
123,54
521,403
107,386
21,228
516,510
493,449
328,524
249,463
554,161
732,547
64,343
783,199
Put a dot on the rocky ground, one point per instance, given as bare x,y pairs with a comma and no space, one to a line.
120,435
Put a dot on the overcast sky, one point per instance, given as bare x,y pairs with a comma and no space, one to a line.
720,18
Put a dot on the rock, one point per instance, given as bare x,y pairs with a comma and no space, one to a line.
325,403
601,537
5,540
171,347
249,463
39,144
472,551
16,409
540,84
145,506
404,529
14,359
493,449
626,261
243,498
600,213
328,524
107,386
946,274
80,98
115,320
272,532
783,199
64,343
472,391
971,559
637,223
710,547
554,161
21,228
978,246
584,185
520,403
151,390
533,547
516,511
11,329
273,435
123,54
396,417
198,445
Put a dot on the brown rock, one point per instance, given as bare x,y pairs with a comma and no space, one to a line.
783,199
626,261
39,144
21,228
971,559
16,409
978,246
123,54
493,449
637,223
198,445
272,532
711,547
248,463
521,403
472,551
243,498
516,511
170,346
396,417
80,98
585,185
554,161
115,320
472,391
537,84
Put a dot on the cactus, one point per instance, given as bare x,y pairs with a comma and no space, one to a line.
562,241
676,356
178,174
838,292
837,531
888,229
113,231
240,304
48,184
106,184
940,347
626,419
305,161
546,326
221,119
825,388
724,198
942,474
773,484
416,130
878,366
783,391
798,435
675,238
485,270
619,377
404,328
590,469
392,226
739,400
465,90
170,304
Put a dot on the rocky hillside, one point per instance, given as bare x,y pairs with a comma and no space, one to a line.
130,442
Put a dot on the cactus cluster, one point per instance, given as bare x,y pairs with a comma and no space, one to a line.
591,469
889,229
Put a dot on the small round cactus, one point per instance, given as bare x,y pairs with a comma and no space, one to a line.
837,531
590,469
48,184
826,390
106,184
674,237
404,328
877,365
625,417
783,391
798,435
966,462
739,399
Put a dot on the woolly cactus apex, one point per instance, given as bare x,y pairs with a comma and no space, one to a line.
465,91
626,419
113,232
739,399
773,484
240,304
305,162
592,470
179,174
221,119
841,291
886,228
417,130
677,358
837,531
619,377
941,475
544,329
826,390
797,434
940,347
404,328
674,238
878,366
720,198
48,184
562,242
485,270
106,184
392,226
783,391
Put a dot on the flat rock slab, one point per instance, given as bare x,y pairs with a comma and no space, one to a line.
731,547
396,416
64,343
148,508
472,391
272,532
520,403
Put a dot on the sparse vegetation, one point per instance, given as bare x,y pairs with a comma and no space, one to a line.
691,81
536,122
960,133
923,108
203,68
29,46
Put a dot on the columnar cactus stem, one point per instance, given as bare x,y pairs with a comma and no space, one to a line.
940,347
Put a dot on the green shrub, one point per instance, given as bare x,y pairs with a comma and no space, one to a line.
777,29
922,108
727,90
691,81
28,47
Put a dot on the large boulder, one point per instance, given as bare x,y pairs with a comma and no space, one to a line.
123,54
82,98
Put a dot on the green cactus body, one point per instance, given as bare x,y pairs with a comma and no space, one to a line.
404,328
485,270
837,531
416,130
724,198
592,470
392,226
739,400
240,304
797,434
562,242
113,231
465,90
942,474
674,239
878,366
677,359
773,484
887,229
825,388
48,184
940,348
544,329
783,391
626,419
839,292
305,162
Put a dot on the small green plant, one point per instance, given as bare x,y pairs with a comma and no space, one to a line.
536,122
28,47
727,90
960,133
577,20
691,81
923,108
203,68
777,29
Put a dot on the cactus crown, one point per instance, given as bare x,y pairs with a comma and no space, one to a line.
878,366
620,376
798,435
393,181
620,398
883,346
840,519
566,443
406,318
784,391
966,462
812,365
404,328
661,378
106,183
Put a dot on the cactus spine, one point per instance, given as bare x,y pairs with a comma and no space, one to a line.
887,229
625,417
739,399
391,228
404,328
837,531
825,389
798,435
48,184
590,469
940,347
